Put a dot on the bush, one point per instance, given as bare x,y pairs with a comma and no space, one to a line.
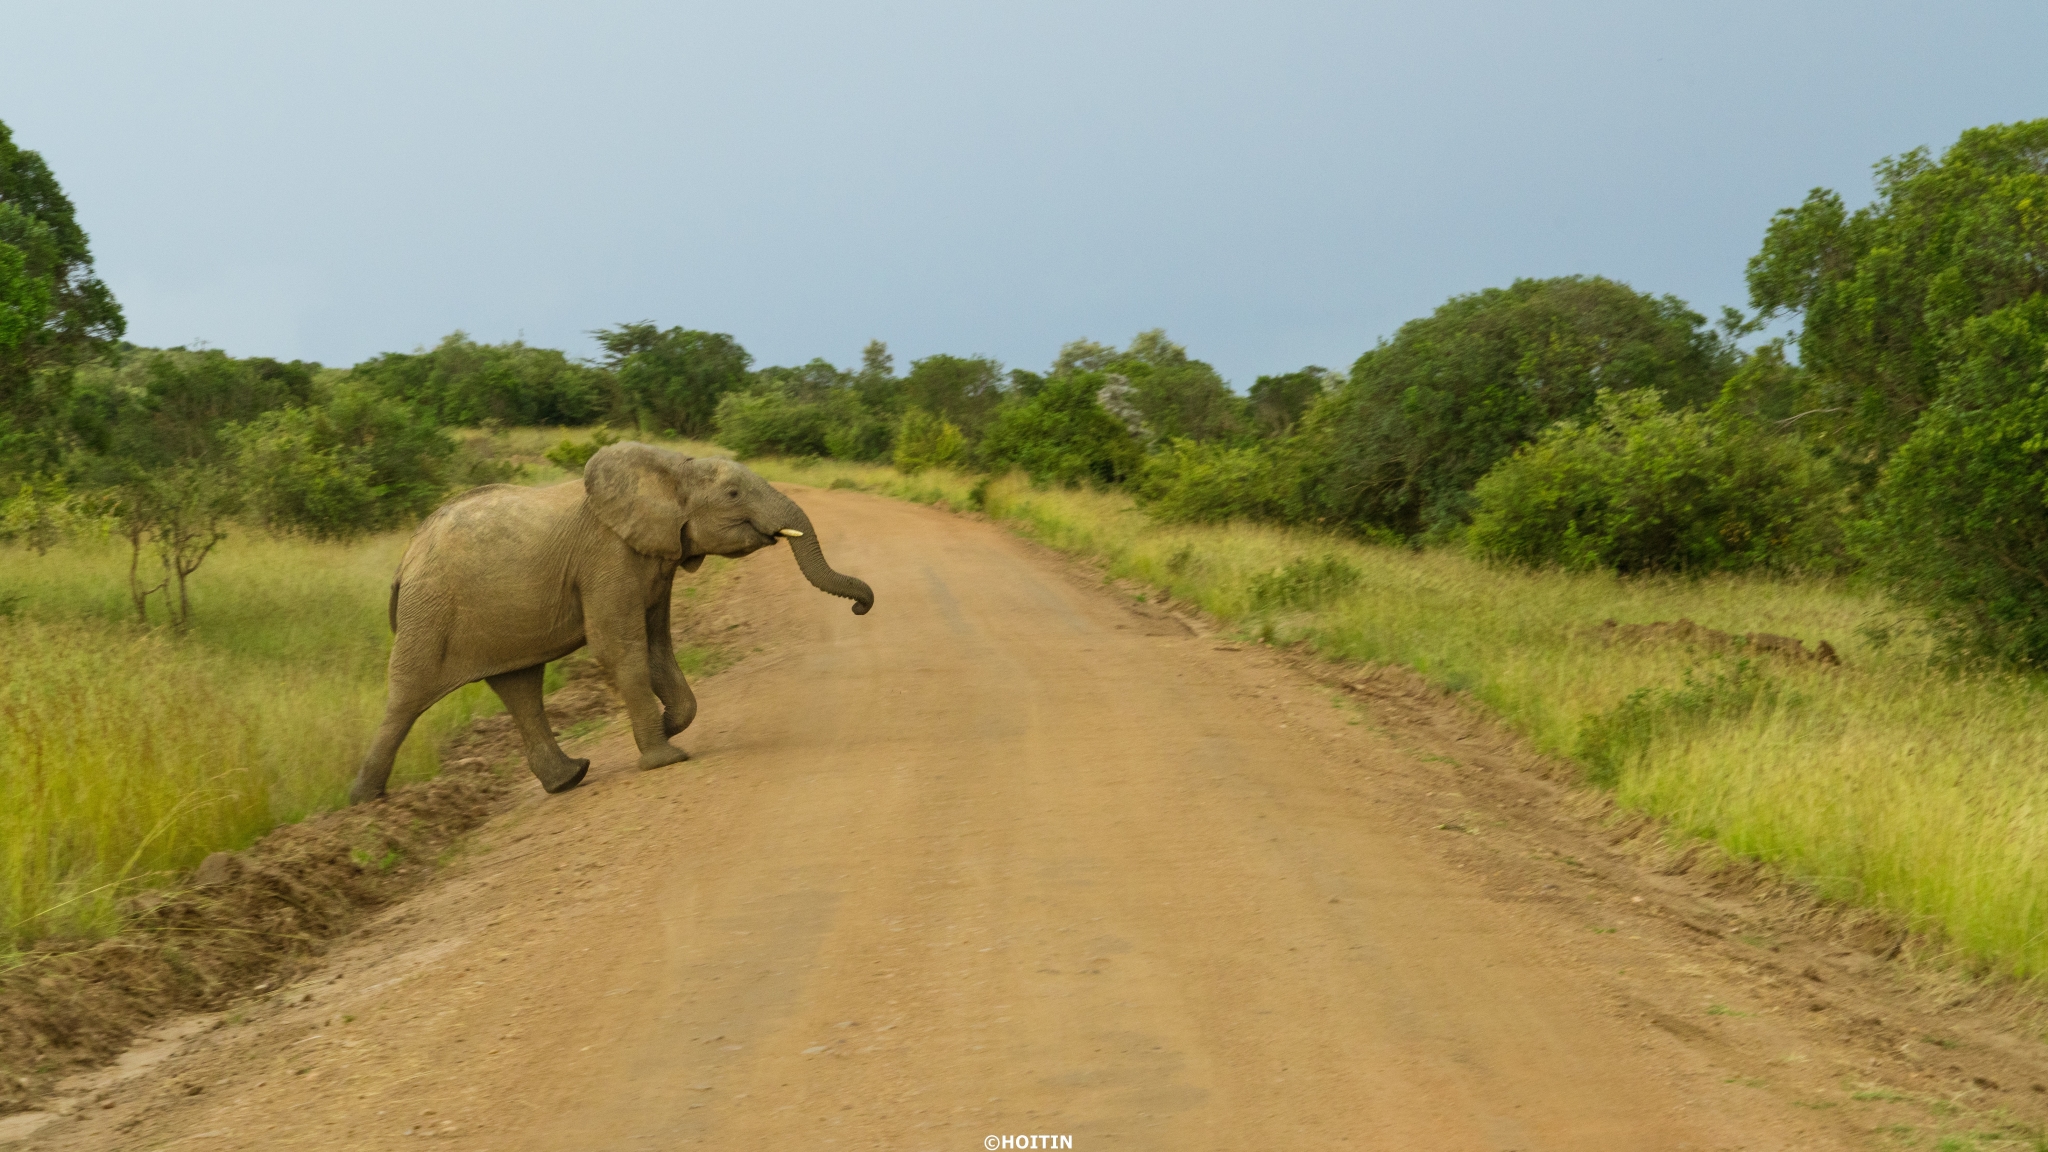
775,423
864,438
1063,435
1306,582
1211,483
1959,521
927,441
1637,488
355,465
571,456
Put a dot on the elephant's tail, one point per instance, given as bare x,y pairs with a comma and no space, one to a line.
392,614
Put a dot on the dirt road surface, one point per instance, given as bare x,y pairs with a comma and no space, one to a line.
1013,855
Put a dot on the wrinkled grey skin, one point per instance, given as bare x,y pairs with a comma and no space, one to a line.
503,579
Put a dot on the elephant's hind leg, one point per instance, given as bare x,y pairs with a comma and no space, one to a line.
521,692
401,708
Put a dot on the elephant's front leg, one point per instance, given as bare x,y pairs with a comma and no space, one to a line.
678,703
617,632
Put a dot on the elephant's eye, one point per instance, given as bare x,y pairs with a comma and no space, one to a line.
733,492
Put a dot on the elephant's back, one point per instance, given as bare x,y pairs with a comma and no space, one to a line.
482,534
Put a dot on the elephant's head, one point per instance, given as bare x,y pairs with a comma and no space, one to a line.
663,503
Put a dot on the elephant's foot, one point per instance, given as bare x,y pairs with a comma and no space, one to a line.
662,754
571,775
362,795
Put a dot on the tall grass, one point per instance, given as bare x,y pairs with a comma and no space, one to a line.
127,754
1893,781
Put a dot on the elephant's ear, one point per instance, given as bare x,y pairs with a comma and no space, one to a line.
632,490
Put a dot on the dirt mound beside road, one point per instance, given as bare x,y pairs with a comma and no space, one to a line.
1686,632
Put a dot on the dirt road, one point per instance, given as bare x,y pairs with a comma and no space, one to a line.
1012,855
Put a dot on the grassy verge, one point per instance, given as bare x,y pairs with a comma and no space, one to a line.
130,754
1889,782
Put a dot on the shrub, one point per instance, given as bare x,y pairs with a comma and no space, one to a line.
571,455
1063,435
863,438
1211,483
927,441
1637,488
1959,521
354,465
774,423
1305,582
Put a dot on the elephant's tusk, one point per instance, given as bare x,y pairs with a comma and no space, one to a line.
790,532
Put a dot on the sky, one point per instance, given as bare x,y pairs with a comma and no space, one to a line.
1274,184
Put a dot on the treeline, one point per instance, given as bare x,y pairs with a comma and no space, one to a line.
1901,433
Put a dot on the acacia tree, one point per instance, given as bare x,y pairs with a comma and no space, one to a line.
673,380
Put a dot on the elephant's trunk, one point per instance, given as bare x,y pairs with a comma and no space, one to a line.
810,556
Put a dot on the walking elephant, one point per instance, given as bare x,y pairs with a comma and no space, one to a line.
503,579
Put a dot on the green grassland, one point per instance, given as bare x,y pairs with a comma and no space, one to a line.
132,753
1893,781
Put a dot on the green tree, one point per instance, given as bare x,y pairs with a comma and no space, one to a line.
1278,402
54,312
1083,355
673,380
1158,390
1958,523
464,383
962,389
1063,435
877,383
180,510
1883,292
1424,415
71,313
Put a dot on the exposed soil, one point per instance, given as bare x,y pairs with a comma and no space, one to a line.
1714,640
1017,853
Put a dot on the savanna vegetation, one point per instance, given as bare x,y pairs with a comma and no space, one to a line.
1471,497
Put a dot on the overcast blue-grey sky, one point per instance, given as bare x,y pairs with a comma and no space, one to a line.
1275,184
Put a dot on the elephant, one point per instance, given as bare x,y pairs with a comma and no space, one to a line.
502,579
